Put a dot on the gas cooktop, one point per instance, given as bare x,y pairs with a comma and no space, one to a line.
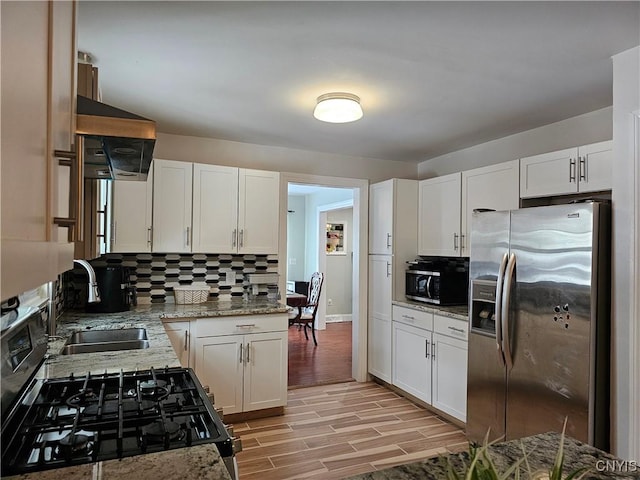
76,420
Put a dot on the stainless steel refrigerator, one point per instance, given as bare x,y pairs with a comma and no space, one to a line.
539,322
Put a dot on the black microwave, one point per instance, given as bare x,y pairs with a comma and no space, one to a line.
446,285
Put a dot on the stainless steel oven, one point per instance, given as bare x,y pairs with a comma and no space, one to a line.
23,343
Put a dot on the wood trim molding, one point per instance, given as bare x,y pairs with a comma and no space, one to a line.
634,328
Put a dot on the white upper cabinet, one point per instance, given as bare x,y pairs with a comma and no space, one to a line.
494,187
38,75
594,167
439,207
215,208
131,227
172,200
573,170
381,218
205,208
393,216
258,211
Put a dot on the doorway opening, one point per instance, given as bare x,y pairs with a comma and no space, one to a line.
324,221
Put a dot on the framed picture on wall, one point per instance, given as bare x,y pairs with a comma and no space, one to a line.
336,238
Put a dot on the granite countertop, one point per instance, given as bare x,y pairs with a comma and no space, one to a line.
541,451
461,312
196,462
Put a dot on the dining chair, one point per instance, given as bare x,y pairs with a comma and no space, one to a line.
306,315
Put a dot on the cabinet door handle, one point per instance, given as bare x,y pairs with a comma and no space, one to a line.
105,223
234,235
248,352
433,350
76,182
462,242
186,340
426,348
388,272
242,237
388,240
455,241
188,232
241,352
582,169
149,236
113,232
572,170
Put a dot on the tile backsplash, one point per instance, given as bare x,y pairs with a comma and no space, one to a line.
154,275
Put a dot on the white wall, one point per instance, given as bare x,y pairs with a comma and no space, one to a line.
339,272
296,238
279,159
313,201
626,249
581,130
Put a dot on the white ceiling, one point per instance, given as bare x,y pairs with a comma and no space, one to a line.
434,77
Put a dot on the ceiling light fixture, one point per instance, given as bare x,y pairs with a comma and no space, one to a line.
338,108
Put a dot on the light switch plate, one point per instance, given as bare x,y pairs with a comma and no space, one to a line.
229,278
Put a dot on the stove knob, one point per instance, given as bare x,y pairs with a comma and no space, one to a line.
219,411
237,445
229,429
211,398
206,388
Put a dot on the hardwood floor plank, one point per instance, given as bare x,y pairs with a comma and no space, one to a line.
342,472
301,470
311,454
386,440
293,434
350,436
411,425
430,443
254,465
262,451
359,457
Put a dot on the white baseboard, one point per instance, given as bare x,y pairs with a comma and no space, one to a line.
343,317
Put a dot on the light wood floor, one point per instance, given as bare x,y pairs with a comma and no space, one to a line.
334,431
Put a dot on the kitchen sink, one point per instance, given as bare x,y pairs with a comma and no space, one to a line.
106,340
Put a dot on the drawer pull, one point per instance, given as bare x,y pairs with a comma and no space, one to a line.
246,325
409,317
460,330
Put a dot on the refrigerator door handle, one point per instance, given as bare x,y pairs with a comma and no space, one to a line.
498,308
508,281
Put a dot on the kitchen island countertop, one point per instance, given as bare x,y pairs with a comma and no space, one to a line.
195,462
541,451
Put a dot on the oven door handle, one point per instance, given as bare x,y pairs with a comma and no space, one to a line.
428,290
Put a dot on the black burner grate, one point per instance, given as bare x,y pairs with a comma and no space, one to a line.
77,420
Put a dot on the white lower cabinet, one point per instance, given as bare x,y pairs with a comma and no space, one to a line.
243,360
380,295
179,334
450,375
411,362
430,359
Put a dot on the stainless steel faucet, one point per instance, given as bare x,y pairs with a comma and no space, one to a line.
94,293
